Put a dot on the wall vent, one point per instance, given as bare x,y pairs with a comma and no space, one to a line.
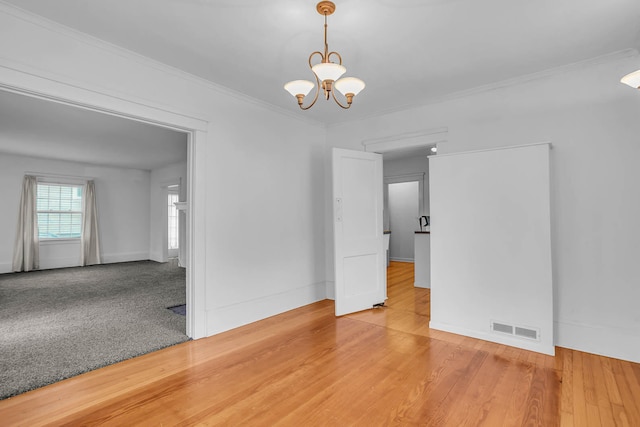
501,327
516,331
532,334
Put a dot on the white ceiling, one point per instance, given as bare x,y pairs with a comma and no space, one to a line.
51,130
407,51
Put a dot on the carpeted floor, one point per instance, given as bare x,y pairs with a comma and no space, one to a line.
59,323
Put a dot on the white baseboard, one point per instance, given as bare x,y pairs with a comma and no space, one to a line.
421,285
402,259
602,340
6,268
125,257
536,346
157,257
48,264
51,263
331,290
220,319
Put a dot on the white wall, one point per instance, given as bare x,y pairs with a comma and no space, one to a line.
258,172
403,214
592,121
160,179
122,202
493,264
260,253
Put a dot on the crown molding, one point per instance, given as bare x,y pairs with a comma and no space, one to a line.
515,81
97,43
129,55
415,139
14,75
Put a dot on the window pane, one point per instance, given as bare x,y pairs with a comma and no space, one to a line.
59,211
173,221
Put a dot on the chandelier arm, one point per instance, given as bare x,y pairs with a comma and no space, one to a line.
334,53
315,98
315,53
333,94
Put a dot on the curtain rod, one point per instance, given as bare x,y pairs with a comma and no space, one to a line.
53,175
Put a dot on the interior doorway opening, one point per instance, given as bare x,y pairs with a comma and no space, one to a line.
141,163
404,211
406,193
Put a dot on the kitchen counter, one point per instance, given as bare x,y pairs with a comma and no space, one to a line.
422,259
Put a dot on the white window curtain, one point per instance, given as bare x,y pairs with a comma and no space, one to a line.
90,242
26,250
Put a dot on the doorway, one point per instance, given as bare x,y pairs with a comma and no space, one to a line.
129,128
403,205
406,192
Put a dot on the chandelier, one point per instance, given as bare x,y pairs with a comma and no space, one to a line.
632,79
327,73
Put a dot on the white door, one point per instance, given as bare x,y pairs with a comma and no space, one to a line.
358,231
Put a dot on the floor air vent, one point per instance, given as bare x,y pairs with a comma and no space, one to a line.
501,327
517,331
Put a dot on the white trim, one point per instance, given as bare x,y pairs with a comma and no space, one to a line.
65,262
124,257
196,313
509,147
330,289
62,241
500,339
35,83
415,139
154,256
402,259
516,81
60,179
24,83
6,268
234,315
394,179
103,45
616,342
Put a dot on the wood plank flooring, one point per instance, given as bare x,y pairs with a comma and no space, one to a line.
377,368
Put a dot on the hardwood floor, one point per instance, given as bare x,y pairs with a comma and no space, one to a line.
376,368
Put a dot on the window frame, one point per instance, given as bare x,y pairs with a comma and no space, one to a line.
62,181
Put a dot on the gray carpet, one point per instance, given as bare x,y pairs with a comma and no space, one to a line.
59,323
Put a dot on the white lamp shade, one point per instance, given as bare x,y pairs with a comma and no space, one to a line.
349,85
299,87
632,79
328,71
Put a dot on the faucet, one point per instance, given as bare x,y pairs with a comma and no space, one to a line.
424,219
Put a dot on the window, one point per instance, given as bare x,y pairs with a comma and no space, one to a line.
173,220
59,209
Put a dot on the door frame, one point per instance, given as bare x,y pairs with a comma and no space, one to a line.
97,100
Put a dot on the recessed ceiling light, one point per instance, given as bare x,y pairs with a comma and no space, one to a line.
434,149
